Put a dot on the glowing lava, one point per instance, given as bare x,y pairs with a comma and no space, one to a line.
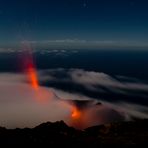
76,114
28,65
32,76
77,119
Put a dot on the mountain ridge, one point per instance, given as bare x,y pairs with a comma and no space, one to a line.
129,133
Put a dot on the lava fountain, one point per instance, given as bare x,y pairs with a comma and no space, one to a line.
30,71
77,117
76,114
29,66
32,76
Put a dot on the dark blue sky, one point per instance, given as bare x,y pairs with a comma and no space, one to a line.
93,20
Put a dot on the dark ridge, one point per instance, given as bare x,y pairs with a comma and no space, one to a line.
49,134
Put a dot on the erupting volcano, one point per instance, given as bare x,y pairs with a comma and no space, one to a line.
46,96
79,114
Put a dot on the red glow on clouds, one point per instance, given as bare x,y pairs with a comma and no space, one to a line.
77,118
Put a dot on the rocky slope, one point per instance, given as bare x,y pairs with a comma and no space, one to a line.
59,134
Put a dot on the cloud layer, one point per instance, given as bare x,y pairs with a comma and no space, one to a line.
109,98
96,84
22,106
128,95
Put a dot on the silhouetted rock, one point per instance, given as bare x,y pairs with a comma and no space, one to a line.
59,134
121,133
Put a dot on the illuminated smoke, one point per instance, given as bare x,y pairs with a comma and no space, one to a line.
79,114
28,107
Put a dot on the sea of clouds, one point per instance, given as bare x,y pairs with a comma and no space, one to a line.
104,98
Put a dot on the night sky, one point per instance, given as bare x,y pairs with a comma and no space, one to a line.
115,21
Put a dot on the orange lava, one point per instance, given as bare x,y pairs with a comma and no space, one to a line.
76,114
28,65
32,75
77,119
41,95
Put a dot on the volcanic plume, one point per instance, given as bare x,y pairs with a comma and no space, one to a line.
40,94
45,105
29,66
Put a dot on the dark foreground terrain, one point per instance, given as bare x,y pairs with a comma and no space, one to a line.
59,134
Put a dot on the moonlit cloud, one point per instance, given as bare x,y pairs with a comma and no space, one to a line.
89,44
130,110
97,78
22,106
66,41
93,79
75,44
123,92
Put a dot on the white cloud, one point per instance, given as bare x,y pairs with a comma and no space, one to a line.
70,43
129,109
98,78
91,79
21,105
91,43
7,50
66,41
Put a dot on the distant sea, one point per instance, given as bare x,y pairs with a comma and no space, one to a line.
130,63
